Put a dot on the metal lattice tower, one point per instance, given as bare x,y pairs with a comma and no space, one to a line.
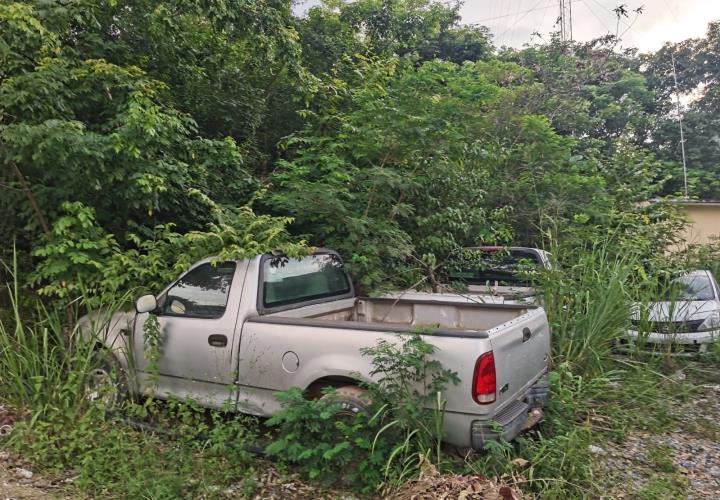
565,20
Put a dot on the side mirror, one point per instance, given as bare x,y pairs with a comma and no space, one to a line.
146,304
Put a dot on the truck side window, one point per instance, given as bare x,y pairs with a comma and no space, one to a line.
201,293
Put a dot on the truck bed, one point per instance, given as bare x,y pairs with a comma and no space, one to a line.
403,315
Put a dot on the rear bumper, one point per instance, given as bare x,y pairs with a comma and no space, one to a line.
506,425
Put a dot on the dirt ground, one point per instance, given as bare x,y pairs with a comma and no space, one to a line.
15,483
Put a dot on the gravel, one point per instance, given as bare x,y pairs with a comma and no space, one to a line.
690,452
22,483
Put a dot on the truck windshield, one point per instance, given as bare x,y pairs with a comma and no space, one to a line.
506,267
289,281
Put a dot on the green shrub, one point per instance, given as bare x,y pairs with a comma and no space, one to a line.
403,429
409,386
327,447
80,258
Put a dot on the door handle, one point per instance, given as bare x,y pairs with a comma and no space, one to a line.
217,340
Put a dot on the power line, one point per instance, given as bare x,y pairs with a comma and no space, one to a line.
533,9
524,15
542,20
604,8
619,18
587,6
672,10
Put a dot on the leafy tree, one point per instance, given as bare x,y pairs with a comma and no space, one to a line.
222,62
336,30
590,91
697,67
423,161
458,44
83,125
384,128
81,258
398,26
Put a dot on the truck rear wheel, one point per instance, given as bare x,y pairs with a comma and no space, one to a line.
352,399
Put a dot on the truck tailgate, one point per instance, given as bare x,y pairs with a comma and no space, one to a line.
521,349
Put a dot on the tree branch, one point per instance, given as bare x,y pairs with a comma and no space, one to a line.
42,220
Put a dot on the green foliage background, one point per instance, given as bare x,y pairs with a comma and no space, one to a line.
138,136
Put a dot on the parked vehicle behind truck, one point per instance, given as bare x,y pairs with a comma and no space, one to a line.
505,272
489,274
236,333
685,322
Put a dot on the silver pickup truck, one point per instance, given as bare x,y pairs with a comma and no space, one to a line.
239,332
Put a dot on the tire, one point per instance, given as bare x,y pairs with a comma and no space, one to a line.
105,382
352,399
460,454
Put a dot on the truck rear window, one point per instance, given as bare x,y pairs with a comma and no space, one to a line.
290,281
506,267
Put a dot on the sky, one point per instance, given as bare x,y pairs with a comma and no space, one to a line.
513,22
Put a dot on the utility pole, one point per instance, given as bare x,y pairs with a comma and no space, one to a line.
682,134
565,20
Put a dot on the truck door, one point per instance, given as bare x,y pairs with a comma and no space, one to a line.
197,318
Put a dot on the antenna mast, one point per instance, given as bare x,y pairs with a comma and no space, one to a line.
565,20
682,135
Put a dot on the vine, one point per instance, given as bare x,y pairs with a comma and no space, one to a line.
152,346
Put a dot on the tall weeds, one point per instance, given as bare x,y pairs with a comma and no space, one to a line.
588,303
44,362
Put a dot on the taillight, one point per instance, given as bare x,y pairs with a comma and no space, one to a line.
484,379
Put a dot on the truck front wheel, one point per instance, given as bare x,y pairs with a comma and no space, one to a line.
105,381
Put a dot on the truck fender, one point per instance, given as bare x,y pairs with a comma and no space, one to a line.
314,380
112,331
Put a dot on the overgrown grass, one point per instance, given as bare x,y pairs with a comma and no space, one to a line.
597,397
588,304
44,368
204,455
556,460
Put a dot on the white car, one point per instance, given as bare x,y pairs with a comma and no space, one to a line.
687,323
